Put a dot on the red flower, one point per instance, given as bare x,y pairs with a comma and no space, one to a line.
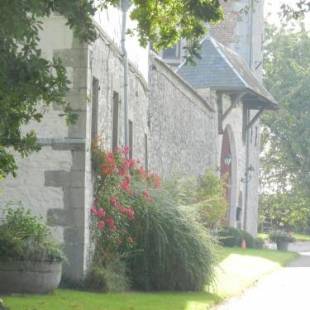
130,213
125,184
101,225
147,196
123,170
106,169
93,211
110,222
101,213
131,163
113,228
126,150
113,201
110,159
142,172
156,180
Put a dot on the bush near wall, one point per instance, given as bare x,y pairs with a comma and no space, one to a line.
206,195
232,237
139,224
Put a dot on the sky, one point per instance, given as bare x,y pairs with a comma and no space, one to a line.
273,7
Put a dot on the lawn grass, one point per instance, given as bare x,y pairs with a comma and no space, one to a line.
298,237
278,257
77,300
237,270
240,269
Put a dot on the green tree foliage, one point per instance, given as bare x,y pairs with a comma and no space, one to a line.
285,211
28,81
205,195
301,8
287,76
286,158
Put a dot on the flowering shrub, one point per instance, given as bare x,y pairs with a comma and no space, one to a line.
115,199
169,249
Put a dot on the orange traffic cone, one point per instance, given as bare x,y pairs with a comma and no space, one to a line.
243,244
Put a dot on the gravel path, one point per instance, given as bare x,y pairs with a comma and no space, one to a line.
286,289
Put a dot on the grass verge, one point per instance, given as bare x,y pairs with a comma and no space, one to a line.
298,237
240,269
237,270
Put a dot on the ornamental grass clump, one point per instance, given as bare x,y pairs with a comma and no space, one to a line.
175,252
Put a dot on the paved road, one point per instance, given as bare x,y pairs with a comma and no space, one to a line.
286,289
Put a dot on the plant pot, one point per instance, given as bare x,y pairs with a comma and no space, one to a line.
29,277
282,245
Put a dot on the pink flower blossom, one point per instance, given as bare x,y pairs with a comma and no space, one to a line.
126,150
93,211
131,163
113,201
147,196
101,225
101,213
130,213
110,222
125,184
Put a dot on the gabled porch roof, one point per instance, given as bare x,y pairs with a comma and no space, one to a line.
222,69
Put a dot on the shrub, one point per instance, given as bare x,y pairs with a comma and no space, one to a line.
206,194
113,213
280,236
25,237
109,278
132,217
259,243
232,237
174,252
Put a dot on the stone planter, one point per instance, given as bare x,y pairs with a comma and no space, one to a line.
29,277
282,245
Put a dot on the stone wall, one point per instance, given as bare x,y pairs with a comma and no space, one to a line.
52,181
234,123
106,65
182,125
56,183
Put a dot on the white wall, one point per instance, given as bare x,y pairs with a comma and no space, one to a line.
110,21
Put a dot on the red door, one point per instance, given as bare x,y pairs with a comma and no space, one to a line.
226,163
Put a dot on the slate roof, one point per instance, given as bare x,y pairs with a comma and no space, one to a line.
220,68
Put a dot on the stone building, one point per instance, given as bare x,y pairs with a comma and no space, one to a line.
182,121
228,75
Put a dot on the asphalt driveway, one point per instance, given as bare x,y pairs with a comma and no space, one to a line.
286,289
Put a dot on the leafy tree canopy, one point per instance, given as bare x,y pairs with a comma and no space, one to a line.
295,12
28,81
286,159
287,76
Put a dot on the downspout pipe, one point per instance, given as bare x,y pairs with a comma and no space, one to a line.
247,151
125,5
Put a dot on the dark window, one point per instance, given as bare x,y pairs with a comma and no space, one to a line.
146,155
115,120
244,122
95,99
130,138
256,135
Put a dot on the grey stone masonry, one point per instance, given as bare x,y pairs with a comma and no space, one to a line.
182,125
